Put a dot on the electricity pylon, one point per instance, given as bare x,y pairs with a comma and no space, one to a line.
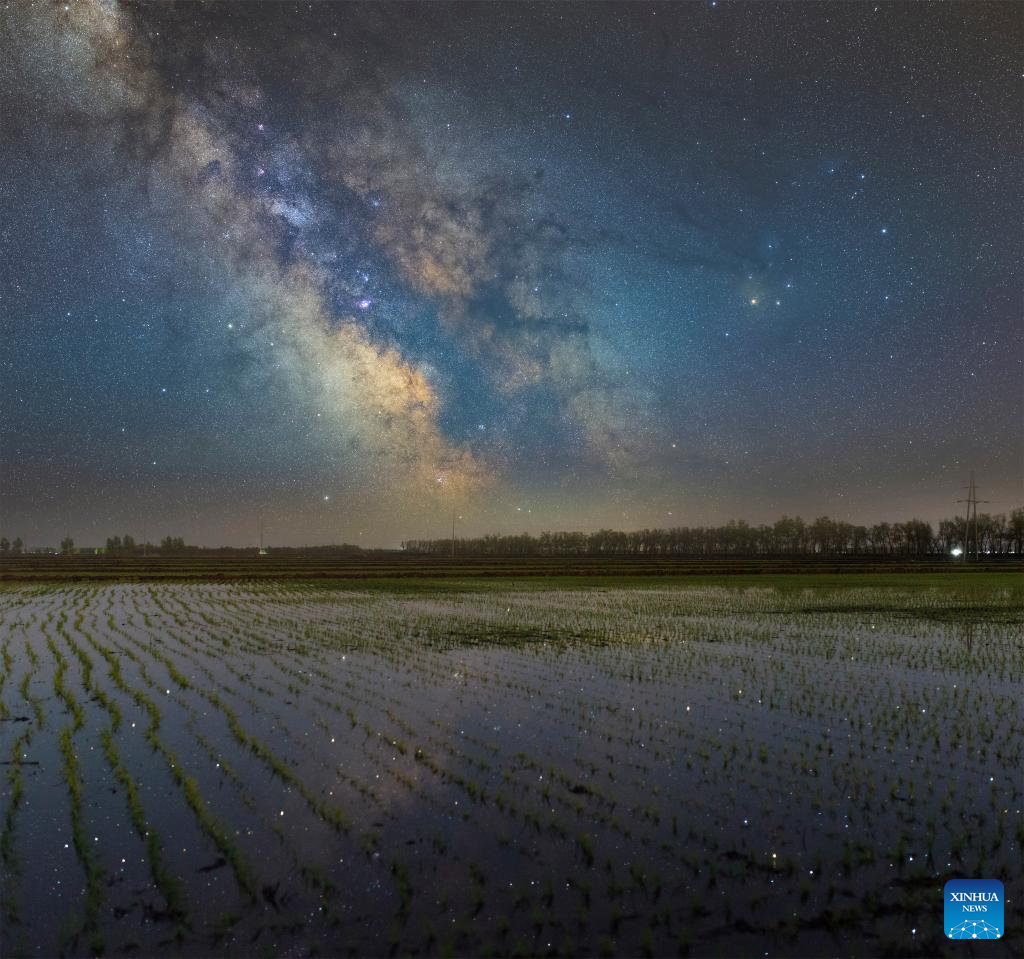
972,502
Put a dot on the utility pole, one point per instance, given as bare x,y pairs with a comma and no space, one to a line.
967,518
971,502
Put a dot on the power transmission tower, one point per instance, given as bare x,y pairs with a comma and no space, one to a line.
972,502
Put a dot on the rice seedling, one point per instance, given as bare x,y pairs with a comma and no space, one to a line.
94,895
659,737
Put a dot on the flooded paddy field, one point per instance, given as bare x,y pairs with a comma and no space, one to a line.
287,768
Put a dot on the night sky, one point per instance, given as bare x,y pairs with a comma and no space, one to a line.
563,266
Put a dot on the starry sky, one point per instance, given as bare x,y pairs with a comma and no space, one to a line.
347,267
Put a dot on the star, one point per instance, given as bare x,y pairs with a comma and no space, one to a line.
426,257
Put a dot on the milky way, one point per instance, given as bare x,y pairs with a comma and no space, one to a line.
348,267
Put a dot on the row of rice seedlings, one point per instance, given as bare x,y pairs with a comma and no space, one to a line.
627,737
445,772
94,875
63,692
330,813
371,732
11,863
35,702
280,722
16,786
421,756
8,663
313,878
165,882
208,823
474,792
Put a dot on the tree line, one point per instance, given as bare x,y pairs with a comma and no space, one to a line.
115,546
997,534
127,545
